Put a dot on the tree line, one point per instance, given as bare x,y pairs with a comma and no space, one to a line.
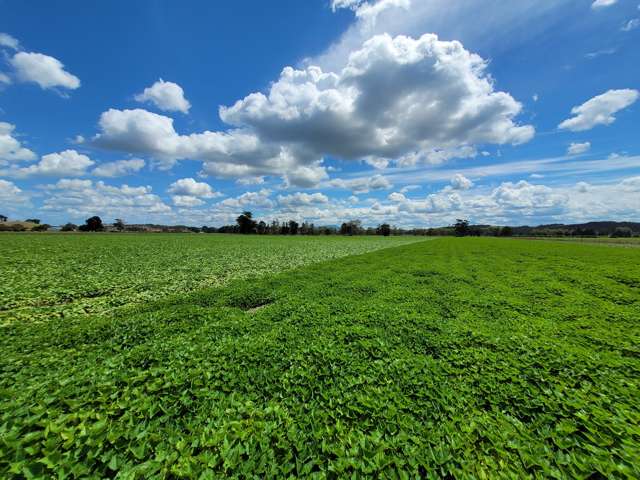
246,224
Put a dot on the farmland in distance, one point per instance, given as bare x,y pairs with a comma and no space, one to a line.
51,275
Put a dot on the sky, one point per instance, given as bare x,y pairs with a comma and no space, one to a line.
409,112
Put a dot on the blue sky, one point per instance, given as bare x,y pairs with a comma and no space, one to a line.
403,111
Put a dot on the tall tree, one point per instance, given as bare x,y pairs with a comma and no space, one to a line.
461,228
246,223
352,227
69,227
93,224
384,229
119,224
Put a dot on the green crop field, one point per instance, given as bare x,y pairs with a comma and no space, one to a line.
622,242
451,358
46,275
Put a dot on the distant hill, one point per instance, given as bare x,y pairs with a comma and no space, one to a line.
17,226
588,228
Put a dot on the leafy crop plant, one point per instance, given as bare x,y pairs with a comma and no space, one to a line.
456,358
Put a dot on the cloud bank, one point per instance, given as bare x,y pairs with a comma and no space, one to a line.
397,98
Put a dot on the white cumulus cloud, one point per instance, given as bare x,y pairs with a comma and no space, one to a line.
363,184
248,199
524,195
119,168
186,201
460,182
396,98
472,22
167,96
599,110
234,153
10,194
305,176
192,188
68,163
11,149
8,41
397,197
46,71
302,199
82,198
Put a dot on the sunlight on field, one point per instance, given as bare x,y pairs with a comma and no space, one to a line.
57,275
456,358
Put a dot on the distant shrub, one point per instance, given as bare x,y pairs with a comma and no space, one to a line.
622,232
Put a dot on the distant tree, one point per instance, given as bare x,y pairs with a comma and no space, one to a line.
622,232
327,230
506,232
262,228
461,227
384,230
41,227
584,232
352,227
93,224
69,227
246,223
293,227
119,224
33,220
228,229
